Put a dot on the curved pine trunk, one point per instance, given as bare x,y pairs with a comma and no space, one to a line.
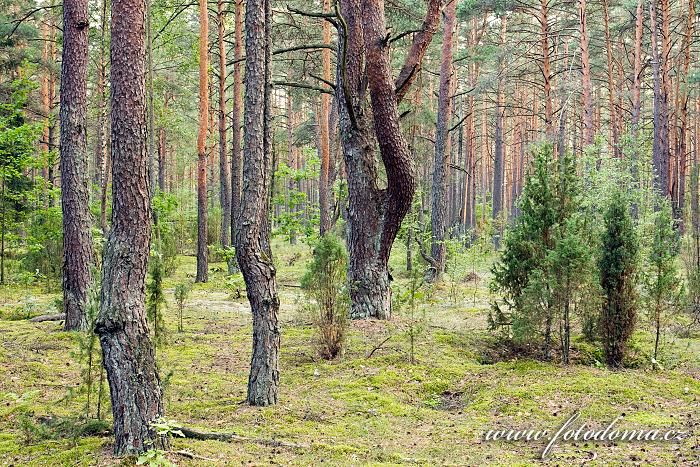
374,214
127,351
253,234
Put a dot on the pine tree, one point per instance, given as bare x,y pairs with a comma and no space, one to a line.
661,281
617,265
545,259
521,277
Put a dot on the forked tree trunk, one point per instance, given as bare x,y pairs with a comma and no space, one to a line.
253,236
374,213
127,351
77,240
202,253
439,219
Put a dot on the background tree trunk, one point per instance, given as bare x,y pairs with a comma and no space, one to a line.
202,253
224,169
439,192
660,153
499,146
127,351
236,155
587,99
77,239
253,237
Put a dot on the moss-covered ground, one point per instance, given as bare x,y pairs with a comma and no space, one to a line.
357,410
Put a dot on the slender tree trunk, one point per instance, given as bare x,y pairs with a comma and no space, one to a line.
101,126
202,253
127,352
51,169
323,186
637,95
253,236
546,69
103,192
78,255
614,131
684,99
499,150
162,150
439,219
586,86
293,161
46,109
236,155
224,169
660,152
151,108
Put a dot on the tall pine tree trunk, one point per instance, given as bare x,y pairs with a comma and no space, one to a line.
77,239
660,150
224,169
236,155
499,149
253,236
202,253
586,77
323,185
127,351
543,19
439,215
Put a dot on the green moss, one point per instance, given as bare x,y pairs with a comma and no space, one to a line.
355,410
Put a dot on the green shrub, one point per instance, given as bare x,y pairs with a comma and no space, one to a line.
618,266
325,284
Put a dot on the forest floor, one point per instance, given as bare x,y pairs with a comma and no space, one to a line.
371,406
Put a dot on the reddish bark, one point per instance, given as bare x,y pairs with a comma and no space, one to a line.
202,253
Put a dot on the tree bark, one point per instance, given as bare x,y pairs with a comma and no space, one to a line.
499,156
614,128
546,69
587,99
151,108
253,237
637,93
438,218
323,186
78,254
660,150
224,169
684,127
236,156
127,351
202,253
101,126
374,213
